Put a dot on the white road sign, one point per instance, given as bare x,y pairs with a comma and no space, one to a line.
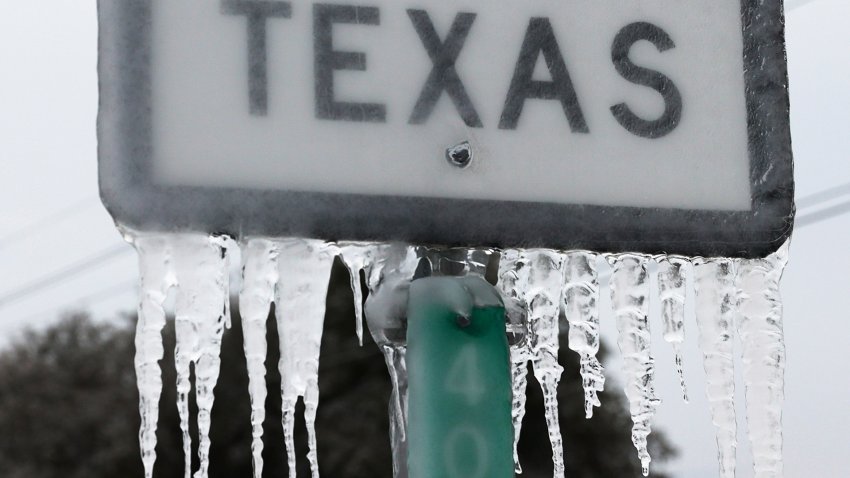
643,125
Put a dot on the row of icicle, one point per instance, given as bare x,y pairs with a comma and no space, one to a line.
731,296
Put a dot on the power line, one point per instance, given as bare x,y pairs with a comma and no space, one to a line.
106,255
823,196
822,215
50,219
64,274
93,298
792,4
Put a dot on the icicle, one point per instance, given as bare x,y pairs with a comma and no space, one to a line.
355,261
543,297
630,300
260,276
580,297
392,269
458,261
357,257
396,360
671,293
201,268
537,280
763,349
156,278
520,351
477,261
716,296
304,268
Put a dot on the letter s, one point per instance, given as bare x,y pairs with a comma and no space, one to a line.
623,42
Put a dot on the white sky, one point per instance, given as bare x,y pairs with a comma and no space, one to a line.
48,190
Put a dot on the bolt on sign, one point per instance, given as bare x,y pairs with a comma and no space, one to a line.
632,125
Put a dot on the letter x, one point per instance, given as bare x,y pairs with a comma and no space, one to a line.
443,75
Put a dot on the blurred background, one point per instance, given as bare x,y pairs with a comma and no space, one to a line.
68,292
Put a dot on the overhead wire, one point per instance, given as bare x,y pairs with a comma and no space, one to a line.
37,226
793,4
115,251
63,274
90,299
823,196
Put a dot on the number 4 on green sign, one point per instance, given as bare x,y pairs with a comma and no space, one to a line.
459,416
464,378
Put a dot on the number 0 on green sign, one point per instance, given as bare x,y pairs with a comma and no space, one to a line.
459,412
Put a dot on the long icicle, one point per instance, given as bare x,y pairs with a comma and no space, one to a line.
544,282
156,278
201,267
630,300
304,270
537,282
763,349
392,267
259,278
716,305
672,284
580,298
520,352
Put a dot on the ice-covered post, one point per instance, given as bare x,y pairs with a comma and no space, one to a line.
459,380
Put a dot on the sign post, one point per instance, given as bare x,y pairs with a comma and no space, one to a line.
459,417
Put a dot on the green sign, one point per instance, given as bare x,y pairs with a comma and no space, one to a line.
459,415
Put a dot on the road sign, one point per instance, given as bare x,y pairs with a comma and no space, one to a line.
649,126
459,380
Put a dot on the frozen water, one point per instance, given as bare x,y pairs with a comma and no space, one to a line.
763,350
580,298
200,310
196,266
730,294
671,293
535,278
292,273
388,277
358,257
630,299
304,268
156,278
395,357
520,352
260,276
716,305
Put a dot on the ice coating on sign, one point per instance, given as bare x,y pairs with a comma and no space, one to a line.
716,305
630,300
156,278
388,277
259,278
580,297
304,268
535,278
763,350
671,292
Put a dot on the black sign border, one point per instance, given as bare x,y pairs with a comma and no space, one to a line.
127,191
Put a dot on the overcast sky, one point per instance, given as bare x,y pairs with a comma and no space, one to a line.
51,221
